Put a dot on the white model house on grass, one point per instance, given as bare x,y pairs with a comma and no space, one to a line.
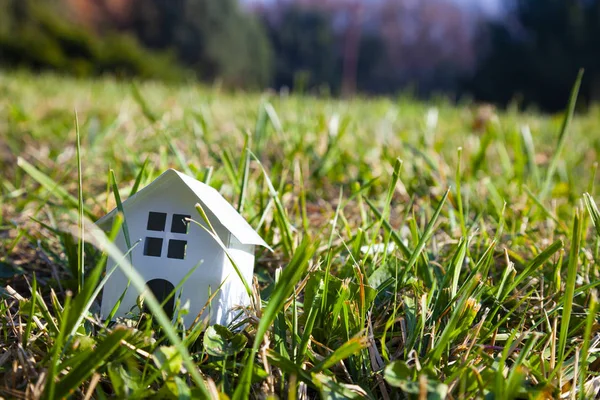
170,246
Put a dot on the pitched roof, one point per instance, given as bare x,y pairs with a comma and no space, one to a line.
209,197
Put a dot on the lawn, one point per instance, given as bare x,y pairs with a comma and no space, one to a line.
420,249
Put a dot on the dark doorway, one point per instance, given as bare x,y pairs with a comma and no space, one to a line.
162,289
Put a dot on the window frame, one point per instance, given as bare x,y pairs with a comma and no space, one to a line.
176,241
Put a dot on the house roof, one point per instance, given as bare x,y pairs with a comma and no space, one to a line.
210,198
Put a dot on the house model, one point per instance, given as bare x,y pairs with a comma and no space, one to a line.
170,247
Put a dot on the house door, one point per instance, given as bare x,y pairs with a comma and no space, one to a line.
162,289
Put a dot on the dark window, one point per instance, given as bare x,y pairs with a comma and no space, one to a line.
157,221
179,224
153,246
177,249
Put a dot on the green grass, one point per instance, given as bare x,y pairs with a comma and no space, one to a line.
414,255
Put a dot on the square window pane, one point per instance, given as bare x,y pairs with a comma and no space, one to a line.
153,246
156,221
179,224
177,249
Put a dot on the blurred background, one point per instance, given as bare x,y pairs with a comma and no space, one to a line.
524,52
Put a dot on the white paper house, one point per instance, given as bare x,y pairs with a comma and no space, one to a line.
169,247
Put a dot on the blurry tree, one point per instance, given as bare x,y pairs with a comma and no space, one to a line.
305,48
372,72
103,14
534,55
36,34
214,37
429,44
380,46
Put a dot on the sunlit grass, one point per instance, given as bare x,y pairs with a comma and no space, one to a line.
417,249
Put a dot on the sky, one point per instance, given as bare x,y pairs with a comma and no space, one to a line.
489,7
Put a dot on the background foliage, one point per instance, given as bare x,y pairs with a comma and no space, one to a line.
529,52
37,36
536,57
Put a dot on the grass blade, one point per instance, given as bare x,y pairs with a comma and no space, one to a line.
389,229
210,230
83,301
562,136
592,208
57,346
441,344
121,210
138,178
282,218
139,99
461,215
291,275
427,234
570,287
80,223
245,173
51,186
349,348
538,261
31,313
587,337
88,365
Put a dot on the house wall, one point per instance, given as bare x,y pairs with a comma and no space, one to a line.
243,256
171,198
